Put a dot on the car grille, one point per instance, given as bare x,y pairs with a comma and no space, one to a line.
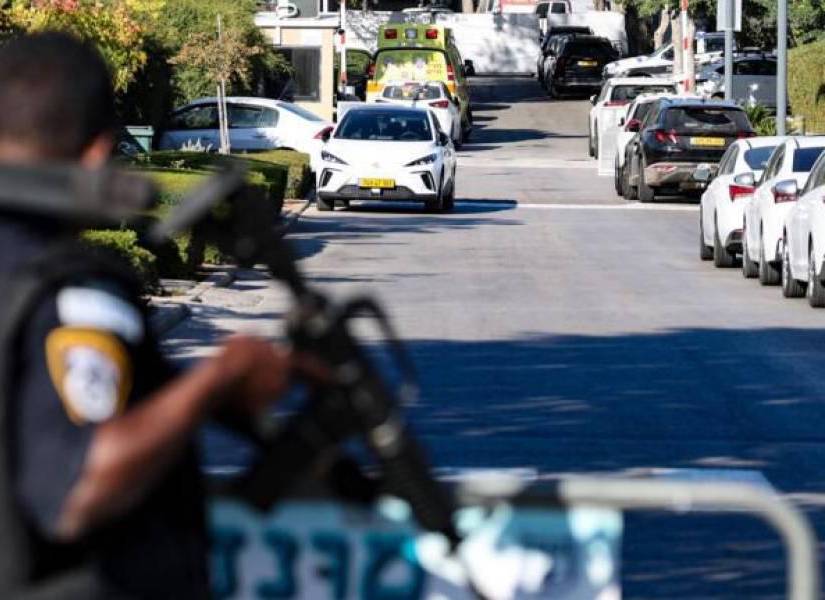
357,193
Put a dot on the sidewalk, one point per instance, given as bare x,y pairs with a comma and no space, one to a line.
167,312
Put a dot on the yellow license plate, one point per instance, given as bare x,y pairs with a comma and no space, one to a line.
381,184
707,141
588,63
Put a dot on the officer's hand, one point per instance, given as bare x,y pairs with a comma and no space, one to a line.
260,371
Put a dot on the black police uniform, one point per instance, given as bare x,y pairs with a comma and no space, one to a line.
85,344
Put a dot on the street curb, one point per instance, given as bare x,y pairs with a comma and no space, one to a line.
168,313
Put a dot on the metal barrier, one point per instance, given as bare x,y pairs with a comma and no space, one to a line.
633,494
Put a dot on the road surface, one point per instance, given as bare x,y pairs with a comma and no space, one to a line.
559,328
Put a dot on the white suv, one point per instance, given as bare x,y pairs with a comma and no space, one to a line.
786,172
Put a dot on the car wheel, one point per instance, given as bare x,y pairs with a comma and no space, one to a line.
791,288
437,204
449,200
590,151
705,251
324,205
768,274
721,257
596,144
630,192
646,193
815,290
552,91
618,178
750,269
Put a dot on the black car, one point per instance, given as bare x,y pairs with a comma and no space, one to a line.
677,135
576,64
553,34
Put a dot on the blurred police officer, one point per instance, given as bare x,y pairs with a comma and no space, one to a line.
99,433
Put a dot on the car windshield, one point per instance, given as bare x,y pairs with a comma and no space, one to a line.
629,92
385,126
702,119
804,159
412,91
757,158
301,112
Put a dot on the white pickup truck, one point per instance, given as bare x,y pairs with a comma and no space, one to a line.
708,47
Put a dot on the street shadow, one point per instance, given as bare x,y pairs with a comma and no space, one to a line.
724,400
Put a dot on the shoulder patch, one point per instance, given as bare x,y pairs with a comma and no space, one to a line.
92,308
91,371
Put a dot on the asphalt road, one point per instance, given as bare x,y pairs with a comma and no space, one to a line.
559,328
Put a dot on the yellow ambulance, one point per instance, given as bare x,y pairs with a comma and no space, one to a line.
416,52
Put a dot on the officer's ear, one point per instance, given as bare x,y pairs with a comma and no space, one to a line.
98,152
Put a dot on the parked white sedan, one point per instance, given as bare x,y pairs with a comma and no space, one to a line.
621,91
804,245
385,152
723,202
786,172
254,124
432,95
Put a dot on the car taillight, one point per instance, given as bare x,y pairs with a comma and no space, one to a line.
615,103
440,104
779,197
325,131
666,137
739,190
450,73
432,34
390,34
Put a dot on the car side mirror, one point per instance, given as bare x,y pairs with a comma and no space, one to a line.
593,99
748,179
702,174
785,191
443,139
634,125
469,68
326,134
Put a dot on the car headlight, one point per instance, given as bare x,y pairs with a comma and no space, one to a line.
329,157
424,160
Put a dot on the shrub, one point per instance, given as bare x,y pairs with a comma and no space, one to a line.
124,245
806,84
300,175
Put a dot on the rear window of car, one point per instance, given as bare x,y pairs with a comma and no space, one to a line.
602,50
804,159
706,119
389,126
629,92
642,111
410,91
301,112
757,158
411,65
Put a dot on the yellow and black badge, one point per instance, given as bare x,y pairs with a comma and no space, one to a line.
91,371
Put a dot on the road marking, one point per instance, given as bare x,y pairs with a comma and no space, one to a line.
505,163
631,207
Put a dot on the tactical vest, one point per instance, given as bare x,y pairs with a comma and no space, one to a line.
32,282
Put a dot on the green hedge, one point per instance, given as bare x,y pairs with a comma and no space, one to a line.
124,244
300,173
181,257
806,84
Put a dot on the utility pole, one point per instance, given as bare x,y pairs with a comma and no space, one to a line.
729,27
223,118
342,69
781,67
687,55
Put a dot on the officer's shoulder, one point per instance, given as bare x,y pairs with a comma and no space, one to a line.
102,305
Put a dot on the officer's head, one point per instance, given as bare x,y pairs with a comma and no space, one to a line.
56,101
